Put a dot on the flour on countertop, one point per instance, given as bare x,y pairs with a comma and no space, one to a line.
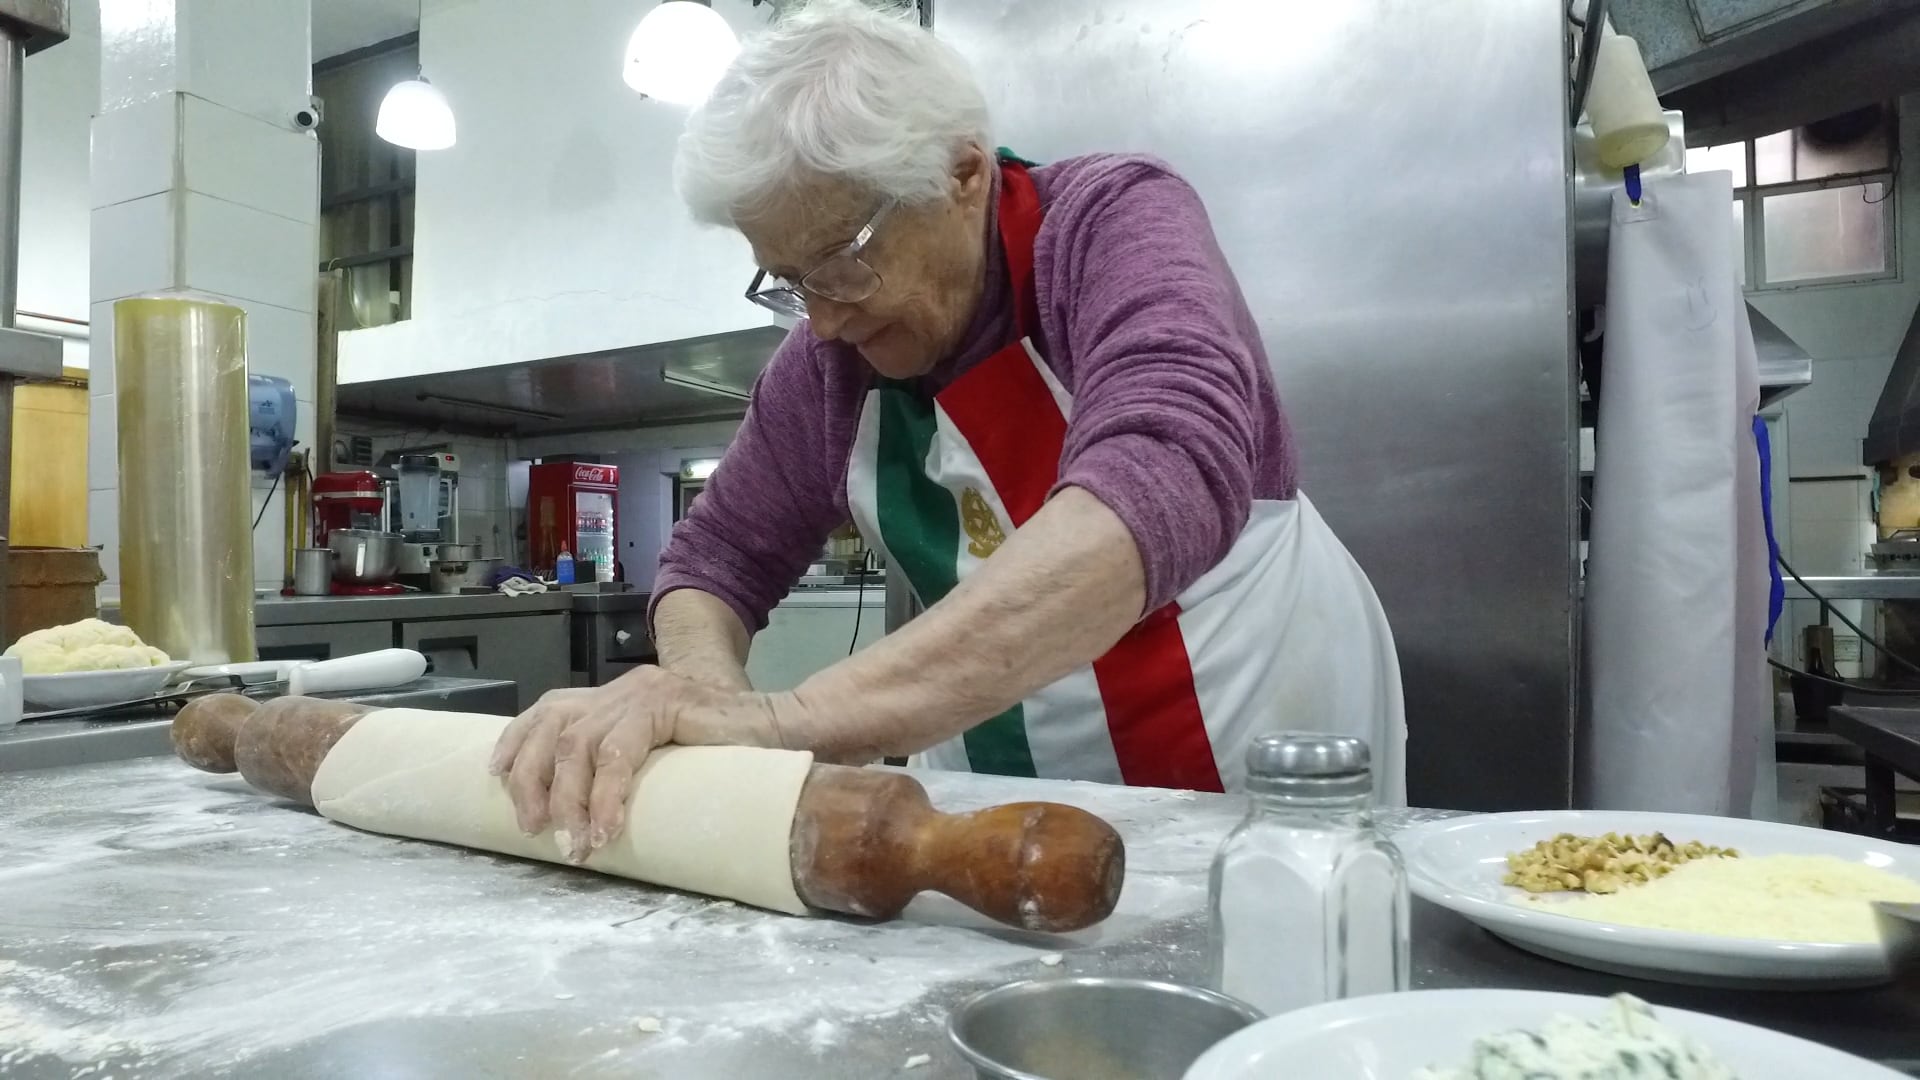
163,922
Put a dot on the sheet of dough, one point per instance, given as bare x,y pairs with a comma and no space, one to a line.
707,819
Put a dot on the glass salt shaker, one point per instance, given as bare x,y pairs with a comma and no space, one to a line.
1307,902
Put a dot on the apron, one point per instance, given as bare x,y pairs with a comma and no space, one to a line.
1284,634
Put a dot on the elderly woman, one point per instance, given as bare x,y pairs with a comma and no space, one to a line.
1038,392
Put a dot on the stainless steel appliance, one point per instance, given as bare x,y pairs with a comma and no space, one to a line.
1390,183
459,575
363,557
426,510
609,636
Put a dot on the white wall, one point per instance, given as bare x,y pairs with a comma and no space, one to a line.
551,227
62,92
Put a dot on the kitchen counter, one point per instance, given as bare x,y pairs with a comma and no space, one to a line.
162,922
837,596
301,610
43,744
1889,585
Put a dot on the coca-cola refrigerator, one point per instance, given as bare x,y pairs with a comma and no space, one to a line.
572,505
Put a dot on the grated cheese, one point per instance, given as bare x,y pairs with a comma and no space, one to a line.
1776,897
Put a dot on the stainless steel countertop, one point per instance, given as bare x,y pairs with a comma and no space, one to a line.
42,744
303,610
162,922
1867,586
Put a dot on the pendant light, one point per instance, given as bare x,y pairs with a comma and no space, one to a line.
415,114
679,50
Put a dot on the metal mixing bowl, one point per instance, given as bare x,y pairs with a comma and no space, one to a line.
364,556
1092,1029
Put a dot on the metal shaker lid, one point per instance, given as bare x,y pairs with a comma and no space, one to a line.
1309,763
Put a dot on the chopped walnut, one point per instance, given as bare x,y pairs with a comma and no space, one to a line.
1602,864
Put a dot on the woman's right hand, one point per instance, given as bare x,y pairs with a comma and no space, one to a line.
570,760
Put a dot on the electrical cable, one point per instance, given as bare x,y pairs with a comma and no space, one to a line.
268,501
859,605
1827,606
1852,688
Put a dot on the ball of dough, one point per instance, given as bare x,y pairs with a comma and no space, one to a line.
87,645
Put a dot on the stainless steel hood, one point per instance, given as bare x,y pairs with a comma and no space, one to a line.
1784,365
1894,431
672,382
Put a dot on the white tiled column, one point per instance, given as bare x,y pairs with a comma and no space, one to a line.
200,181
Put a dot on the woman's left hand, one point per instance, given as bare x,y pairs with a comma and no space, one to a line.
570,760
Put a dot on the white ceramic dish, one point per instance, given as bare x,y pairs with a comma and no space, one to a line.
1458,864
78,689
1389,1036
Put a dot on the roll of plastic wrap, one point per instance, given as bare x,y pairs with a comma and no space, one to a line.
1628,126
186,537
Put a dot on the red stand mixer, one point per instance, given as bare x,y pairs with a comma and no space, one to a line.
350,517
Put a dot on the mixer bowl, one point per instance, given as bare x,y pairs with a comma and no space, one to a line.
364,556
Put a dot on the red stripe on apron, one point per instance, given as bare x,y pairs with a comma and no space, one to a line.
1007,413
1153,712
1009,418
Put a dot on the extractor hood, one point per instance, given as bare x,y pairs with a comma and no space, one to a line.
671,382
1784,365
1894,431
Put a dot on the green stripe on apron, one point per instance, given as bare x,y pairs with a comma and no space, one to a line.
921,528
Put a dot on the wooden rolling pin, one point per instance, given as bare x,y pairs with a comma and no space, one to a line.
864,841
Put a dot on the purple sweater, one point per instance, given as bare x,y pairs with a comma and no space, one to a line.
1175,423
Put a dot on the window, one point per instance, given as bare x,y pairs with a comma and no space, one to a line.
1812,205
366,184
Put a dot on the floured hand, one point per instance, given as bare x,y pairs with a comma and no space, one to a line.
570,760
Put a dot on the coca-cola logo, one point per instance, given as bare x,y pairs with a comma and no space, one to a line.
590,474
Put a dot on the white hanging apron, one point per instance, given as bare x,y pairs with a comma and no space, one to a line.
1676,599
1284,634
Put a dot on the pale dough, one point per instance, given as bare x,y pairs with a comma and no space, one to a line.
706,819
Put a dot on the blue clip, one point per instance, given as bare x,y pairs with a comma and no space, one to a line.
1633,184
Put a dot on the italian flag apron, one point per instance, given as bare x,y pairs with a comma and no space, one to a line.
1284,634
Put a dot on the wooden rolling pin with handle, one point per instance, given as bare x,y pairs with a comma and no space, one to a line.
862,841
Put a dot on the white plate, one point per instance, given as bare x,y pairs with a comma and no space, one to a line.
1458,864
78,689
1389,1036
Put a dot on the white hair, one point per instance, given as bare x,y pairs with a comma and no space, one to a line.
835,90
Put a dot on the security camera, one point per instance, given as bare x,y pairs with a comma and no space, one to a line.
307,117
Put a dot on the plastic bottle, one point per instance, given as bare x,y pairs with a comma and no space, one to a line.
1307,902
563,567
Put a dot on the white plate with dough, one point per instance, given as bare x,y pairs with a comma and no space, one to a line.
1458,864
79,689
1392,1036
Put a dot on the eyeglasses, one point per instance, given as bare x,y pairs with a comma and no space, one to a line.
843,277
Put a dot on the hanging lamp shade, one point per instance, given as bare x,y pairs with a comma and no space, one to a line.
415,114
679,50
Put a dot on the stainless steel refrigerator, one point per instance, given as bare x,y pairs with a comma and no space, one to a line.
1390,182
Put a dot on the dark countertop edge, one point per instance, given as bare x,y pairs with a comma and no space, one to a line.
599,603
305,610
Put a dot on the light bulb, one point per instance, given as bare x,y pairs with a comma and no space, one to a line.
679,50
415,114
